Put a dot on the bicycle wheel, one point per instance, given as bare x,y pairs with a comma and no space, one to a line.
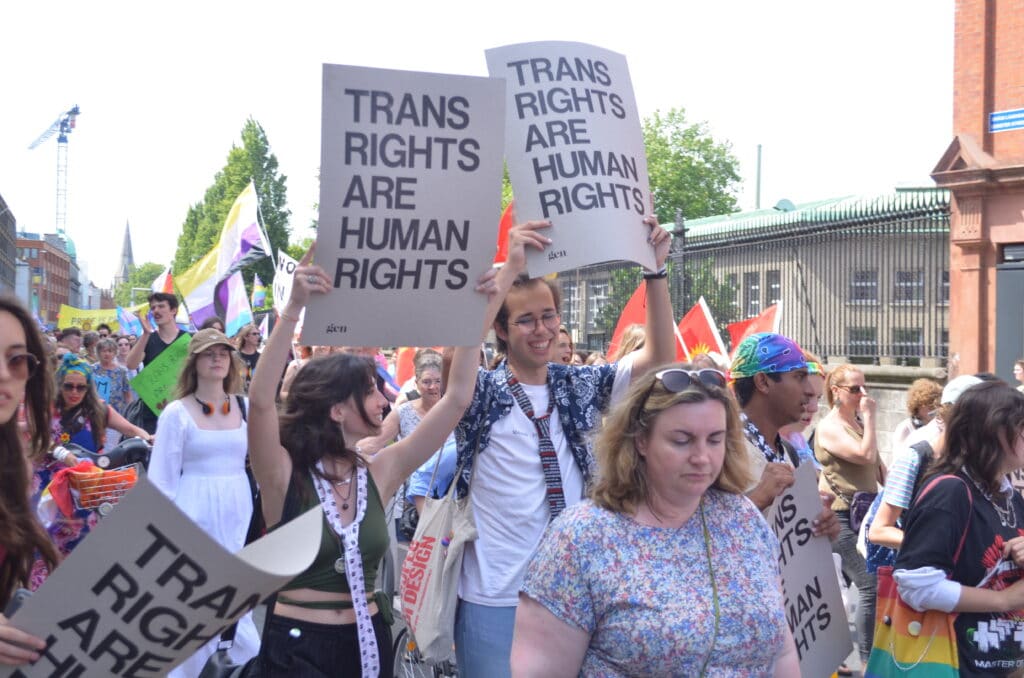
408,662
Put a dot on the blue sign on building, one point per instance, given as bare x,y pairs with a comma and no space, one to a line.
1003,121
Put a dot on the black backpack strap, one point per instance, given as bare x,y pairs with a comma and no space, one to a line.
241,406
925,454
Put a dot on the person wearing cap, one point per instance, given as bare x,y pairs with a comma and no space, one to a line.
199,463
769,377
904,477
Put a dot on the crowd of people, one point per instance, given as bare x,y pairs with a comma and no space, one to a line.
619,503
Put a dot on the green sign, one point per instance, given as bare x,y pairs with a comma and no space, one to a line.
155,383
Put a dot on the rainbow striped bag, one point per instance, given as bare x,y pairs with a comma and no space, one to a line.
909,643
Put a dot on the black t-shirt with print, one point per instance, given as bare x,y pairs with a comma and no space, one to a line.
990,644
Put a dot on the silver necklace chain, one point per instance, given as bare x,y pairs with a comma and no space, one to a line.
1007,514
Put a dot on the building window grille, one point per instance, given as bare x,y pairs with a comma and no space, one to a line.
773,281
752,293
864,287
908,287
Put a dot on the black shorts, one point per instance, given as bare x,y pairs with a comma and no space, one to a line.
320,650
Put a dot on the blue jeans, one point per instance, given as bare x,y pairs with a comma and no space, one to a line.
483,640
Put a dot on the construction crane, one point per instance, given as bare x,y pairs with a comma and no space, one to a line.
63,125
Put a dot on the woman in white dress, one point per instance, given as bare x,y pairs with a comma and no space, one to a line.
198,461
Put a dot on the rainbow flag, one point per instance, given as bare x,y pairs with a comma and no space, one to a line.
259,292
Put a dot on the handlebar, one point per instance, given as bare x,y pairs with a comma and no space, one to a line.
128,451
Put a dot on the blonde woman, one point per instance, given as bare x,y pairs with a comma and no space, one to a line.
649,576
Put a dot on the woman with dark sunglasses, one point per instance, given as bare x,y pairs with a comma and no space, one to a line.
82,418
846,446
655,570
24,378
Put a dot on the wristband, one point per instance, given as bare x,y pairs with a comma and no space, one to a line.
285,316
657,275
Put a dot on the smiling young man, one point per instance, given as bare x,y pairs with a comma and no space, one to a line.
164,308
525,442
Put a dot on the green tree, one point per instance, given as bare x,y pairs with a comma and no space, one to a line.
204,221
688,169
141,276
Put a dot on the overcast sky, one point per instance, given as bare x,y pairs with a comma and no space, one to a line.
844,97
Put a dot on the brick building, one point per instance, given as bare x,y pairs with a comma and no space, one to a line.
983,168
49,273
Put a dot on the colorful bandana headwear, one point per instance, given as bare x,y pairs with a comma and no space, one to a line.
766,352
72,363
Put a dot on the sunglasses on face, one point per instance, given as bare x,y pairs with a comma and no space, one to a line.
856,390
74,388
22,365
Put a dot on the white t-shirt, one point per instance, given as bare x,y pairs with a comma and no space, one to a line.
509,498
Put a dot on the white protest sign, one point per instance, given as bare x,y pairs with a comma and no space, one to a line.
410,198
147,588
813,601
284,274
575,152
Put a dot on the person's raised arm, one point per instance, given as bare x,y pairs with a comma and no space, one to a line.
838,441
271,464
391,468
660,344
388,431
135,355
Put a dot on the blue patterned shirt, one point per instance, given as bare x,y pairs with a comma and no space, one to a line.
581,393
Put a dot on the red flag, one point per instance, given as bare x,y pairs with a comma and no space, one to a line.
503,227
404,368
699,333
635,313
767,321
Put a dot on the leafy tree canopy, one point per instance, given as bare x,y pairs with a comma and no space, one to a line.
204,220
688,169
141,276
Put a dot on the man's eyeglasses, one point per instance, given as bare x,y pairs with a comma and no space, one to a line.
74,388
550,320
22,365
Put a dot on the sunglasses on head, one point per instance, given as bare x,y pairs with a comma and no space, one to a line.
677,380
77,388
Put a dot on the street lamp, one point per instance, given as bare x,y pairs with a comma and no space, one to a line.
136,289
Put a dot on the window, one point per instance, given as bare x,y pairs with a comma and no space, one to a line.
862,342
596,298
908,345
943,291
570,304
734,284
944,343
864,287
908,287
752,293
773,281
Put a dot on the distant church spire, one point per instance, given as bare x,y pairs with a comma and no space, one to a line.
127,259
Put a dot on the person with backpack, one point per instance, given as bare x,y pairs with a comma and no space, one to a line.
884,531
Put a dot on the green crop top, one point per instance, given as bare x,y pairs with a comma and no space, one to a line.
373,541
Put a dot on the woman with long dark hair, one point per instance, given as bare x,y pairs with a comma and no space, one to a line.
326,622
963,545
24,377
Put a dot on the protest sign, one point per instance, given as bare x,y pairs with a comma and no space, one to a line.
410,195
148,587
575,152
155,383
284,273
813,601
86,319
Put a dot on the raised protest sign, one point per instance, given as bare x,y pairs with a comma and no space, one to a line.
147,588
155,383
575,152
284,274
86,319
410,196
813,601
